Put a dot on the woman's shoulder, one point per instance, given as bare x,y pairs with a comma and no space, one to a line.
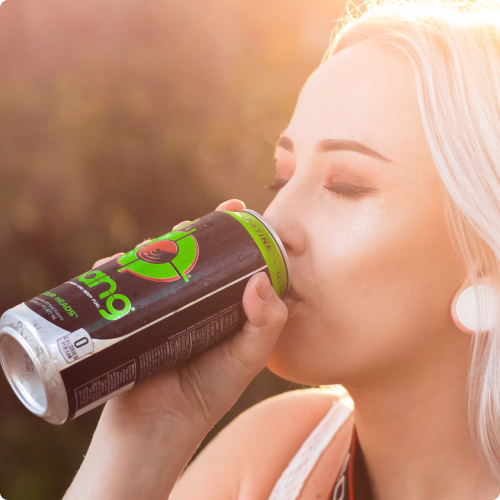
297,411
259,443
286,419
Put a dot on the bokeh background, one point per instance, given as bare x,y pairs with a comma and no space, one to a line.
119,119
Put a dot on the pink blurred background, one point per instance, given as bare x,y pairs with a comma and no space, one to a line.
118,120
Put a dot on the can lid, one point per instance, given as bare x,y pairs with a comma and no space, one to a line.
29,367
279,244
22,372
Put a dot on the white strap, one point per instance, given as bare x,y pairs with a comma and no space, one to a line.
294,476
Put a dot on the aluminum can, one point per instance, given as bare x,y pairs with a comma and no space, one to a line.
72,348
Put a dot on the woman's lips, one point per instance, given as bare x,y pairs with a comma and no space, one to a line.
292,299
290,303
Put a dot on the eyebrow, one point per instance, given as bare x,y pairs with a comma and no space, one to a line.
335,145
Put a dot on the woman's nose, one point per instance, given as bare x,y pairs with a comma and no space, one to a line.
284,216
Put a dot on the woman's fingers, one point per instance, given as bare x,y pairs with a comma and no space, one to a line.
183,223
231,205
212,381
100,262
143,243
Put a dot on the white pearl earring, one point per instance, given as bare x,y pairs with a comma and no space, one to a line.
466,307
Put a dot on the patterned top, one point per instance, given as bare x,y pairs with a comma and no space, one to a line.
352,482
293,478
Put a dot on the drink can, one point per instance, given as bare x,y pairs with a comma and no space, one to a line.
72,348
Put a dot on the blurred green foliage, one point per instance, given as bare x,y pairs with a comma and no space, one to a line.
118,120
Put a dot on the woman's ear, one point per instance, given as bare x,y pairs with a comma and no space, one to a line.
464,305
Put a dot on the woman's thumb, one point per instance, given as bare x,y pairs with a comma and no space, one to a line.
266,317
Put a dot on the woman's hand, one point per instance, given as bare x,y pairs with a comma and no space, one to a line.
203,388
163,420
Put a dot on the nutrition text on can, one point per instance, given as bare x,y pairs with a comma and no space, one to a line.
72,348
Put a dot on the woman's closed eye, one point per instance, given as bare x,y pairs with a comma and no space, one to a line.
341,188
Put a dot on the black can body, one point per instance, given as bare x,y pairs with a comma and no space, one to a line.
152,308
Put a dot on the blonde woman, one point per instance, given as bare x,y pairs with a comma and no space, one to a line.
389,208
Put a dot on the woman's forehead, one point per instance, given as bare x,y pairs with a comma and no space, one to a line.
365,93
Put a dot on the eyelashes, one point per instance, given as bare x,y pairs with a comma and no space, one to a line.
348,190
342,189
277,185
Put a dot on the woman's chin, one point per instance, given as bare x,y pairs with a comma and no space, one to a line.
290,364
303,356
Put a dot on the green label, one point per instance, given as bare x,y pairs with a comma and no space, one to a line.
167,258
96,277
268,248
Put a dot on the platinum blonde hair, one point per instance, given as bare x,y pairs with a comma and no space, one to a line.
454,48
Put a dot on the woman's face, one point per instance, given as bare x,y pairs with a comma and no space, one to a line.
362,219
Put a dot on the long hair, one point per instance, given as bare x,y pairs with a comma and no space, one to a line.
454,49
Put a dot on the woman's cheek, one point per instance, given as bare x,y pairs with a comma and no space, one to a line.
361,266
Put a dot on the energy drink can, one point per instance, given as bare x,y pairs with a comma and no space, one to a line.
72,348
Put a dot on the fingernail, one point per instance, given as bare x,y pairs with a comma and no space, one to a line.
264,288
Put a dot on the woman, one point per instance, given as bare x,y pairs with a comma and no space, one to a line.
389,208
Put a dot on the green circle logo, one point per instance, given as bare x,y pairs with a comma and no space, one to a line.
167,258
